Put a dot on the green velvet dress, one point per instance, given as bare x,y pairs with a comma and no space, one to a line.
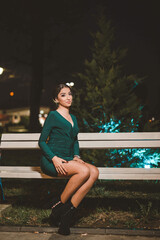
58,138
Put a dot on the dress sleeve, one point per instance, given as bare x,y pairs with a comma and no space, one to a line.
76,147
76,143
44,135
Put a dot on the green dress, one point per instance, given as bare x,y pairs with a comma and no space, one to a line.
58,138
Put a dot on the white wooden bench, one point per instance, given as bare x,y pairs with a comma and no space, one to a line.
86,141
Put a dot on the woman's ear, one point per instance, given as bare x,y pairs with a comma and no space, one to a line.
55,100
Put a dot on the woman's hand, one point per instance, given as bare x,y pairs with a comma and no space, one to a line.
78,159
58,163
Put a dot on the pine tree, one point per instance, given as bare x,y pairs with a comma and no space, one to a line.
106,101
107,94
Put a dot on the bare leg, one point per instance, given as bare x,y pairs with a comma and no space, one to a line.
79,174
82,179
84,189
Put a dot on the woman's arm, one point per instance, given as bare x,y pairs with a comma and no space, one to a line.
76,147
44,135
76,143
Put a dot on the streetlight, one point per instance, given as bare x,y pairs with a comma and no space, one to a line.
1,70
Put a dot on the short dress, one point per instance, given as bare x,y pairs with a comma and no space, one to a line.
58,138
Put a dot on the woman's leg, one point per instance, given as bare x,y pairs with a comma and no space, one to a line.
77,187
83,176
79,173
84,189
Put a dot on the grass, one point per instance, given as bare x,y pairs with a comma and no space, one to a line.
111,204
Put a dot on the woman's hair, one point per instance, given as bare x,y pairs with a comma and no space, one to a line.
57,90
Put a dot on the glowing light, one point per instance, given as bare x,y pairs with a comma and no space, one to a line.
41,111
142,158
42,120
71,84
1,70
11,93
11,76
147,166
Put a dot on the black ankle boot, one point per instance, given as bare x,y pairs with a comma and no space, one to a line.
66,218
55,216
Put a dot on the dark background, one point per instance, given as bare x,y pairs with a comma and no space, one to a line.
67,43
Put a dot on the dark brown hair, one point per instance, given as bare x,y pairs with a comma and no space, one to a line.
58,88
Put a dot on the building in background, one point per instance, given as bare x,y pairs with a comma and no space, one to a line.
13,118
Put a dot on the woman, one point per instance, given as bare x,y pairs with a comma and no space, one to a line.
61,158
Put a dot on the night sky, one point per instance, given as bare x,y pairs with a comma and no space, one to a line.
136,24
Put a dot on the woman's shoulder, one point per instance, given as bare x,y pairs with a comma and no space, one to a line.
52,112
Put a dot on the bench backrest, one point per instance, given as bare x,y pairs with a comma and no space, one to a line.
87,140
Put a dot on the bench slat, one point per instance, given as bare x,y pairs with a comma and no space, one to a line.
105,173
102,170
121,170
19,145
20,136
119,136
101,176
119,144
87,144
87,136
129,177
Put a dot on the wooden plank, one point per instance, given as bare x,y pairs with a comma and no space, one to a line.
31,175
20,136
87,144
118,144
113,170
87,136
105,173
38,175
119,136
19,145
23,172
129,177
102,170
20,169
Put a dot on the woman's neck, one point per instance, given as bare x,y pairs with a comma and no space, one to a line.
63,110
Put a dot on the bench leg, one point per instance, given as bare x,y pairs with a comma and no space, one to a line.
3,198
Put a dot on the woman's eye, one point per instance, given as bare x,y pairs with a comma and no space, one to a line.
70,93
63,95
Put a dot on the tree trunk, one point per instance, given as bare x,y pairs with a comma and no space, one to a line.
37,66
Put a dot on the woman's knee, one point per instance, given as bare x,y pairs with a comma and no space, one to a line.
94,173
84,172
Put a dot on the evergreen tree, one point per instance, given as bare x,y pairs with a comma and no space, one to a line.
106,101
107,95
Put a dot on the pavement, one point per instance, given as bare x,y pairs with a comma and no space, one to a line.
50,233
43,233
49,236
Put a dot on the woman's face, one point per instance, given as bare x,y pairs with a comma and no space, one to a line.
64,97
